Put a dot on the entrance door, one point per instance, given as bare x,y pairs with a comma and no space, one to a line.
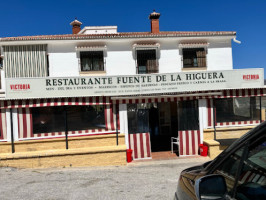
163,126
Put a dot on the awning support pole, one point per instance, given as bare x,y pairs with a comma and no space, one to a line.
66,127
12,133
214,118
260,109
117,108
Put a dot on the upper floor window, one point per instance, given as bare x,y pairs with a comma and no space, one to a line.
25,60
195,57
1,60
92,61
147,61
146,56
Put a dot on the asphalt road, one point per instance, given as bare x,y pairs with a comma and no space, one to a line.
139,180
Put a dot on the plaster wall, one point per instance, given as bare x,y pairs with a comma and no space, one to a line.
120,63
63,60
120,57
170,61
219,56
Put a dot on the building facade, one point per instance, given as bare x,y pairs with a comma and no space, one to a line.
86,97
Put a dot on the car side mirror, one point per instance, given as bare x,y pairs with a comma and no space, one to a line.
211,187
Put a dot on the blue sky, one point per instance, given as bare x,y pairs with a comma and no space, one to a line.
246,17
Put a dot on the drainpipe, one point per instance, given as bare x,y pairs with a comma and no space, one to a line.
236,41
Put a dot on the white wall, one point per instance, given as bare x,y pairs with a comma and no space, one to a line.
170,61
63,60
120,60
219,56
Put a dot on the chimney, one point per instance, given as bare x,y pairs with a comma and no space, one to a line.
154,17
75,26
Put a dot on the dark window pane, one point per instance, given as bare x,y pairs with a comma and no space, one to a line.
194,57
147,62
48,119
52,119
188,115
237,109
143,120
85,117
1,62
132,118
138,118
92,61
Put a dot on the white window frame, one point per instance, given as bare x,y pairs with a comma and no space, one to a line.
136,47
183,46
91,48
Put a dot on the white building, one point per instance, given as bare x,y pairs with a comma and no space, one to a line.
139,88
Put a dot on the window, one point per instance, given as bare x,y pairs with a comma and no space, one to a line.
138,118
188,115
52,119
31,60
251,178
147,61
92,61
194,57
237,109
1,62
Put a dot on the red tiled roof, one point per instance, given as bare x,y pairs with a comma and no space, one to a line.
121,35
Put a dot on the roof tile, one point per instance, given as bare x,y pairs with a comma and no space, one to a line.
120,35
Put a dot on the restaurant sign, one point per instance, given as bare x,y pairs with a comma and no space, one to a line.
24,88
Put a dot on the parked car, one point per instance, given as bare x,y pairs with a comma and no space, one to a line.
239,172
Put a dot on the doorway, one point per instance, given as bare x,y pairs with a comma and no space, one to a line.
151,126
166,126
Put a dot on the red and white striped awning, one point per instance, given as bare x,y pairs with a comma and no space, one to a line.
130,99
189,96
75,101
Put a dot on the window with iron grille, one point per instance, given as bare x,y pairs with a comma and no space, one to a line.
92,61
195,57
147,62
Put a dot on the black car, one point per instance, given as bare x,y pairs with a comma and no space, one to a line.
239,172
